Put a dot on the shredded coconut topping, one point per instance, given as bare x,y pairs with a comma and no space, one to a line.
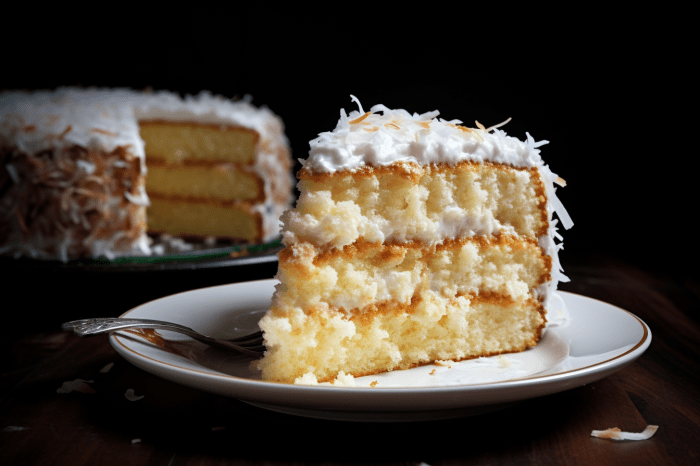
384,136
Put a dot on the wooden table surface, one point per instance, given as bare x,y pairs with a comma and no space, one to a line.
175,425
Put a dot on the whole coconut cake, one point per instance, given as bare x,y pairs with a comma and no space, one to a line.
88,172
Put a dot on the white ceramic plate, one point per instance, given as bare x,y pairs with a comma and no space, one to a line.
598,340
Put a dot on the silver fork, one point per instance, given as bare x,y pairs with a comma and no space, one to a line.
249,344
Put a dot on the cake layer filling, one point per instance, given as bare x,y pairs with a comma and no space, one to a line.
406,202
432,328
172,142
367,274
222,181
201,219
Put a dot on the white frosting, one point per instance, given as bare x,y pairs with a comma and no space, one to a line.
398,136
385,136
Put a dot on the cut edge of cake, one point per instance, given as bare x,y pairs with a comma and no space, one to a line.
309,327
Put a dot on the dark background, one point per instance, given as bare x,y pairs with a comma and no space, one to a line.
606,88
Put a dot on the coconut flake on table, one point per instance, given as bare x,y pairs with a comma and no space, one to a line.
107,368
616,434
14,429
131,396
77,385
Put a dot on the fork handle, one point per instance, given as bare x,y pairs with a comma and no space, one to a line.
100,325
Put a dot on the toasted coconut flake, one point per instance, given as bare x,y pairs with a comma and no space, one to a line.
371,129
392,125
68,129
497,126
65,198
480,126
560,181
89,193
104,131
20,219
374,383
504,362
433,372
616,434
424,124
440,362
360,119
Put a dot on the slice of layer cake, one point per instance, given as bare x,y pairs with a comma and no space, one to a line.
414,240
87,172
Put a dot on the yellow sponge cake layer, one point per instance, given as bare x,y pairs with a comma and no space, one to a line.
394,335
184,217
211,165
172,142
223,181
406,202
367,273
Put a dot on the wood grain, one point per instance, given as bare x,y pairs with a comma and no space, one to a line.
175,425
